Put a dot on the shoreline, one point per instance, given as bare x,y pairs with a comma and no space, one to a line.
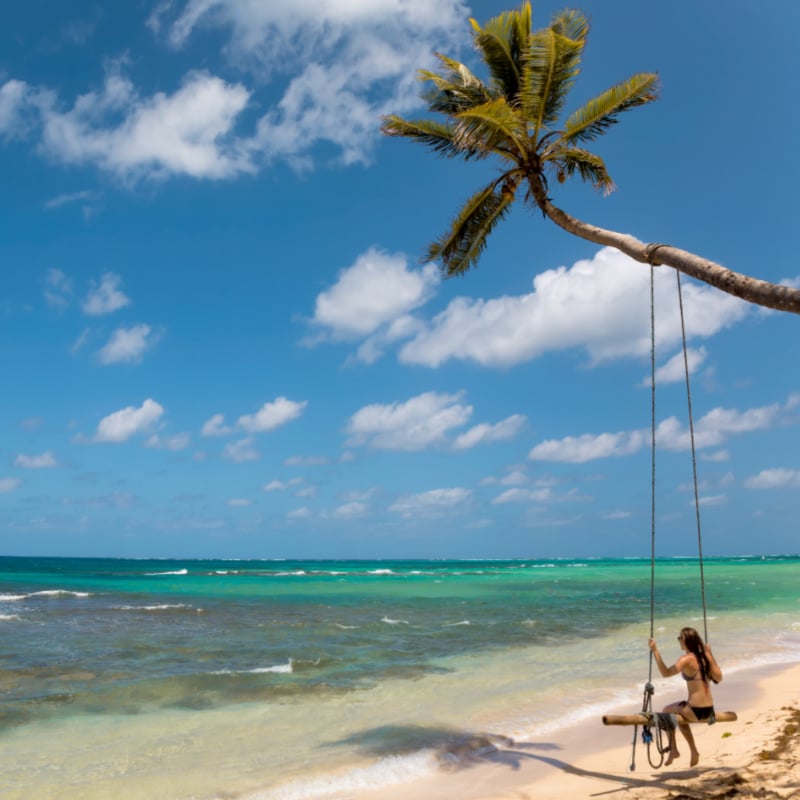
590,759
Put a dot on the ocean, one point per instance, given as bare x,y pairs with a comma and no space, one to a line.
285,680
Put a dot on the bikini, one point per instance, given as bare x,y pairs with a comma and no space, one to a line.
701,712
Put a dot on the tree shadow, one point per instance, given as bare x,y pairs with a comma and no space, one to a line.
457,750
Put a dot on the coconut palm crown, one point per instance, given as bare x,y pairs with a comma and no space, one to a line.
516,116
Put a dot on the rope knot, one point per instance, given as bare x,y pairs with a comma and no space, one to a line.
649,252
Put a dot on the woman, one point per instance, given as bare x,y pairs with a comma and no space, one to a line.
697,667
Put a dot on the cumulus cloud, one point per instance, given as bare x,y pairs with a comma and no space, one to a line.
57,289
241,450
675,369
521,495
711,430
272,415
215,426
418,423
377,291
129,421
187,132
431,504
598,304
239,502
9,484
105,297
127,345
354,510
179,441
299,513
306,461
14,99
587,447
42,461
500,431
280,486
776,478
347,63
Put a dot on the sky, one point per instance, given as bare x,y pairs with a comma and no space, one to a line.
219,338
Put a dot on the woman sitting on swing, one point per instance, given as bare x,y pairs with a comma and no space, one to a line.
696,666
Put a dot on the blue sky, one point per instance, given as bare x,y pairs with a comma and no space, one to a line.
218,338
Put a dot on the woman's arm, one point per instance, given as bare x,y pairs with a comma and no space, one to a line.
662,667
715,672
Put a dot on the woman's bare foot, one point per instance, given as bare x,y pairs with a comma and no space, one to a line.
695,759
673,754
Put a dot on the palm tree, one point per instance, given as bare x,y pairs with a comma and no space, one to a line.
516,116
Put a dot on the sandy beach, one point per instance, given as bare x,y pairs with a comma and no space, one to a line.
756,757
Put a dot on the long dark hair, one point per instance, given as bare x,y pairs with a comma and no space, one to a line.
694,644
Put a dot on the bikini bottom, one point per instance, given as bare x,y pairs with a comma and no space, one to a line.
701,712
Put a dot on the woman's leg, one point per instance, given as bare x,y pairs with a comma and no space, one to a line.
684,715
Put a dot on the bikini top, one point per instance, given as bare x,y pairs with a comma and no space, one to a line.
695,677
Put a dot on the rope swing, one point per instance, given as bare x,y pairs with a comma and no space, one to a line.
655,725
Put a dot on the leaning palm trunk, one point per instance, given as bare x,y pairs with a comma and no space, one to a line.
753,290
516,118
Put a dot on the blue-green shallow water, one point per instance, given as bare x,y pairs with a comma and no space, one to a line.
304,647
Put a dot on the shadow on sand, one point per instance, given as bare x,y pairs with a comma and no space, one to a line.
458,750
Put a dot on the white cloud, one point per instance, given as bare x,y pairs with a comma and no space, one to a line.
715,427
416,424
272,415
280,486
712,500
9,484
105,297
612,515
188,132
57,289
43,461
377,290
14,97
776,478
127,345
239,502
352,510
500,431
600,305
719,455
306,461
348,63
241,450
520,495
127,422
307,491
711,430
67,198
180,441
431,504
299,513
215,426
587,447
675,369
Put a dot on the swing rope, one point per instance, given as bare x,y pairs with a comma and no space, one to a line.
647,700
694,463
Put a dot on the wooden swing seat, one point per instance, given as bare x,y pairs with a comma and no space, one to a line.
646,719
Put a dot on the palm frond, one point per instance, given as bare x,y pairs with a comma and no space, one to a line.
493,127
440,137
461,247
571,24
551,67
502,42
599,114
569,160
454,89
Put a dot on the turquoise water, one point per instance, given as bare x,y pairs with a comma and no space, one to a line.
206,679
